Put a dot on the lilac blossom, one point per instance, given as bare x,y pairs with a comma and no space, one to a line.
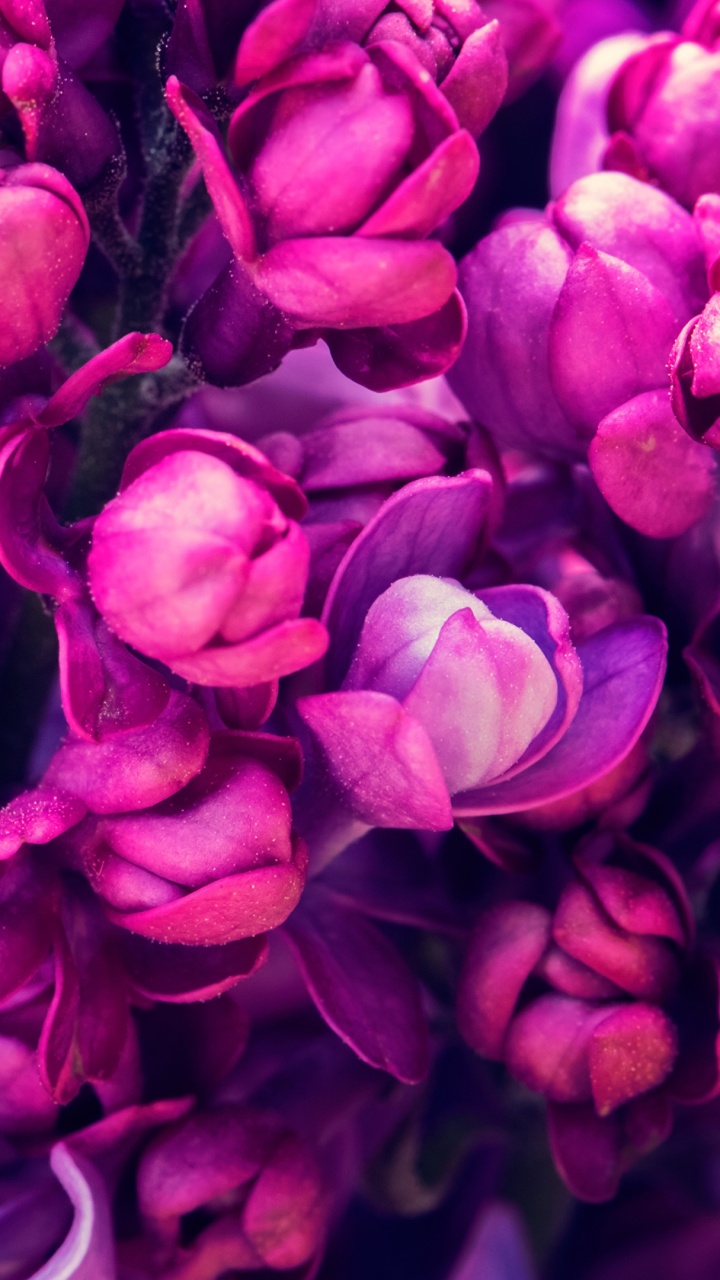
618,1032
613,252
351,262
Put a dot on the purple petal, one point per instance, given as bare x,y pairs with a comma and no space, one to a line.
432,526
380,758
37,817
137,768
505,948
541,616
609,337
105,689
191,113
391,356
28,905
25,551
586,1149
636,457
623,667
497,1249
88,1250
182,975
229,909
233,333
361,986
431,192
510,283
352,282
477,81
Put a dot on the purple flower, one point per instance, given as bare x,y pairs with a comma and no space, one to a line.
417,663
572,315
453,43
663,112
199,562
626,1023
344,161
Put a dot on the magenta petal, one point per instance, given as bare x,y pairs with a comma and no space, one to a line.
433,526
278,651
477,81
507,944
105,689
353,282
430,193
623,667
361,986
88,1250
37,817
701,657
229,909
191,113
636,457
272,37
181,975
547,1046
586,1149
643,965
233,334
244,458
609,337
510,283
631,1051
137,768
25,550
380,759
390,356
135,353
285,1215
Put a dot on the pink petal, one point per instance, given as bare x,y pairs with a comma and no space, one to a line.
227,910
506,946
610,334
351,282
380,759
631,1052
137,768
431,193
643,965
191,113
636,457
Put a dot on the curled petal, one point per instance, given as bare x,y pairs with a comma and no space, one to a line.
507,944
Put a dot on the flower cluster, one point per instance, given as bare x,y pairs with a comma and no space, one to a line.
360,650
